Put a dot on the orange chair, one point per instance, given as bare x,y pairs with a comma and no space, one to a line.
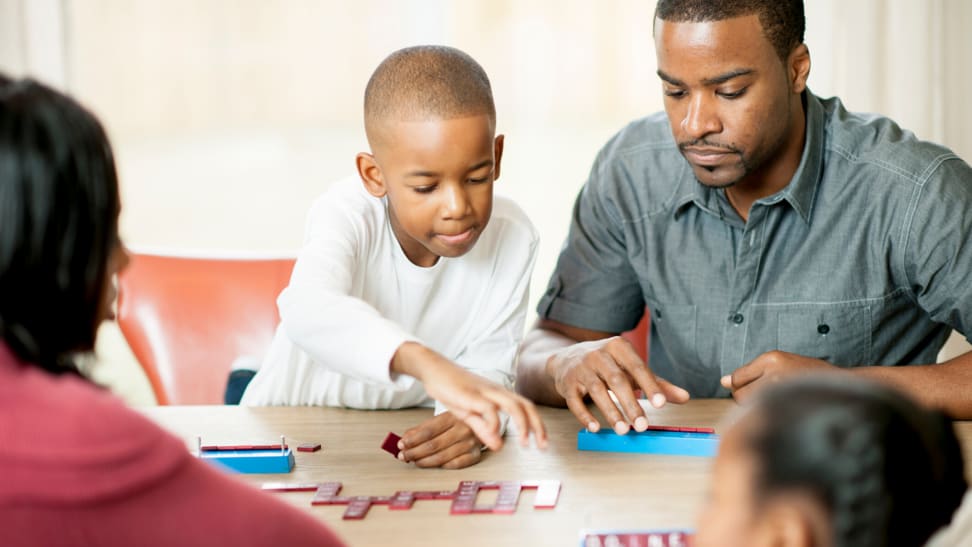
639,336
188,318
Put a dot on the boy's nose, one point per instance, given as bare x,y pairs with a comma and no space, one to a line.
456,201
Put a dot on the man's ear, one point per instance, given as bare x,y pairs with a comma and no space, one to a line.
799,68
498,156
370,174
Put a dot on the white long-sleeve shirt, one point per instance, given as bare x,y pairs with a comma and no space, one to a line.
354,298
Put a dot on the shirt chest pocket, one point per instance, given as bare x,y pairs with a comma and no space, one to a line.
837,333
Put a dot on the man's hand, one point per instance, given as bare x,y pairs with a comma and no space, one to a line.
471,398
442,441
770,368
593,368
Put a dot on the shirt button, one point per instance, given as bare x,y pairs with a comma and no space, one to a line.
823,328
737,318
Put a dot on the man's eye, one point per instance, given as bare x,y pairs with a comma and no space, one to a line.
674,93
732,94
424,189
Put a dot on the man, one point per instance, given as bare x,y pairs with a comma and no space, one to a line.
768,231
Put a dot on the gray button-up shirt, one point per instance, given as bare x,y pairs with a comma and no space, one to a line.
864,258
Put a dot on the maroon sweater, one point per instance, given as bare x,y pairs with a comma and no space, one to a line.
77,467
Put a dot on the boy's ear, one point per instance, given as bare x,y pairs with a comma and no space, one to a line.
498,155
370,174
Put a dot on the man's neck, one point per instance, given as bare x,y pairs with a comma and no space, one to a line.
776,174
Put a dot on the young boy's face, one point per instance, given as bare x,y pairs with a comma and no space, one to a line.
438,176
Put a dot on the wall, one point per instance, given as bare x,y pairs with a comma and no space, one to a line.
229,116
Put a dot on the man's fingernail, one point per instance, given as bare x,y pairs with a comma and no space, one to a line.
657,400
401,445
620,428
593,427
641,423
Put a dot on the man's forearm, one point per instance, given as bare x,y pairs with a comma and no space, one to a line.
947,385
532,380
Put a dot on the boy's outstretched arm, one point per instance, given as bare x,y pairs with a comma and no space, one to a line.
471,398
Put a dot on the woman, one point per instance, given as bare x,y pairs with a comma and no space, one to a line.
833,462
79,468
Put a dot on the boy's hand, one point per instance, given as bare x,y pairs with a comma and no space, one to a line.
471,398
442,441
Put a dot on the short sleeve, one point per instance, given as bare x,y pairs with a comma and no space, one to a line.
939,246
594,285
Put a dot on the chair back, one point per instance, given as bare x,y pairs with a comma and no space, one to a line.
187,318
638,336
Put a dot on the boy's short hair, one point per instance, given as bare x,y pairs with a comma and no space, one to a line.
422,82
783,21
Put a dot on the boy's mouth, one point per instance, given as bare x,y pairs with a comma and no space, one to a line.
457,239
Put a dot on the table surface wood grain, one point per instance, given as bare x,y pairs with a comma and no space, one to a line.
599,490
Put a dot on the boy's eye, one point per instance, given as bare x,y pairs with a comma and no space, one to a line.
479,180
424,189
674,93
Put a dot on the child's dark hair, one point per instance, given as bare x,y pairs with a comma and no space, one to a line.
888,472
783,21
58,223
417,82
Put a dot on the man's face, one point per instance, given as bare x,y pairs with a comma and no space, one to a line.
728,97
438,176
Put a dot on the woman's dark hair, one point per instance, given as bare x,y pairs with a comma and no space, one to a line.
888,472
58,223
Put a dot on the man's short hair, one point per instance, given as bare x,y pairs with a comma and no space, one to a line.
423,82
783,21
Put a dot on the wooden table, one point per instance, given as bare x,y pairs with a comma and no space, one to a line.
599,490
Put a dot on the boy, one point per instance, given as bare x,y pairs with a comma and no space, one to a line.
417,275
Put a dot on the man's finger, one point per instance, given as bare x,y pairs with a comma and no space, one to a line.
610,410
575,403
672,392
626,356
745,375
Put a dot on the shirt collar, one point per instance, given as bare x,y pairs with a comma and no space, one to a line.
801,190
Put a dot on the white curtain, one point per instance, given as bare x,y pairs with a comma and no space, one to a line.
232,115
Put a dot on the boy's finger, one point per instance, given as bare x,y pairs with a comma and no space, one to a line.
427,448
510,404
464,460
425,431
488,435
449,453
536,425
